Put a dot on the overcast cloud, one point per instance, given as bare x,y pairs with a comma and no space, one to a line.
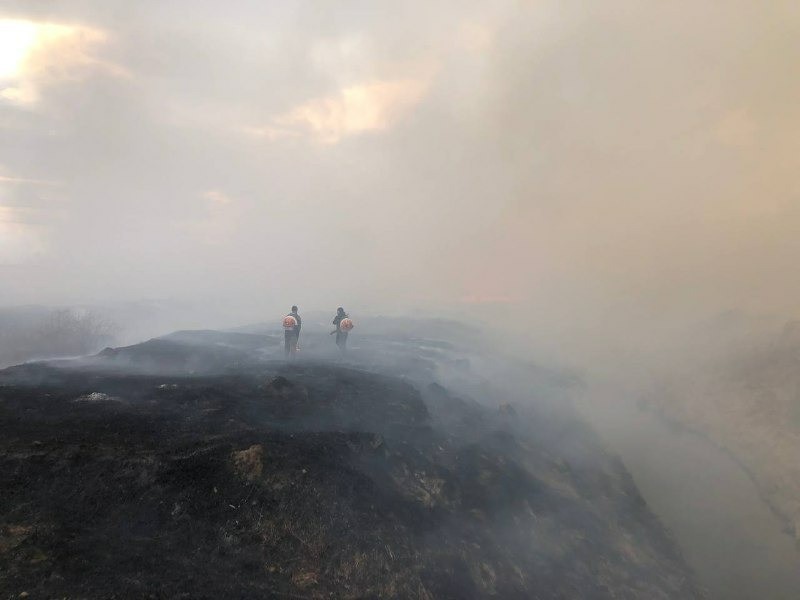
570,164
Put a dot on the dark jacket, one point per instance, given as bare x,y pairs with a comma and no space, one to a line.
337,320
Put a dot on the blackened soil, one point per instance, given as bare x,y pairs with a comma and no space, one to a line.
309,481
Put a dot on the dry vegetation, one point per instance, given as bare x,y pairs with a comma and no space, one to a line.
257,480
750,405
33,333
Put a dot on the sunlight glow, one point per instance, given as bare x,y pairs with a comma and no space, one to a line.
17,40
34,56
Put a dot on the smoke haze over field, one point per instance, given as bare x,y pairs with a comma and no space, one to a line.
567,162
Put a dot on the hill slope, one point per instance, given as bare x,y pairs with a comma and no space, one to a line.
749,404
194,466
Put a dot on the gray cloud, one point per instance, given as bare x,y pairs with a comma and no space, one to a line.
572,165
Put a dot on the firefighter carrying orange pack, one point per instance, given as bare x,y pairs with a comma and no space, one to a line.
291,332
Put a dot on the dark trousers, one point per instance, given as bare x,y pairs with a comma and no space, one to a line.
290,341
341,340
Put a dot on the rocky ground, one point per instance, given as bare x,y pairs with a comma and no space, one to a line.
199,466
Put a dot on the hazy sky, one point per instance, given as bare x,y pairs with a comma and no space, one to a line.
587,161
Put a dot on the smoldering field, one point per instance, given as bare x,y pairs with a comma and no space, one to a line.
251,424
198,465
610,188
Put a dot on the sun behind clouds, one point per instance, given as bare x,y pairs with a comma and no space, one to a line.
17,39
34,55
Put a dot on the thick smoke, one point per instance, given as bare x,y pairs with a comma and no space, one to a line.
604,184
572,166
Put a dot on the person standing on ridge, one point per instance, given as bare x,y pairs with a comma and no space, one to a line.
343,326
291,331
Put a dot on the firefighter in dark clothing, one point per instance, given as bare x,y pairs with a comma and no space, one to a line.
341,335
291,334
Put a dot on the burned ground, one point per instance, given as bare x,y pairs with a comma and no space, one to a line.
131,475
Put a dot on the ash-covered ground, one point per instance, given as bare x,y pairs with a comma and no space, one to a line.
202,465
